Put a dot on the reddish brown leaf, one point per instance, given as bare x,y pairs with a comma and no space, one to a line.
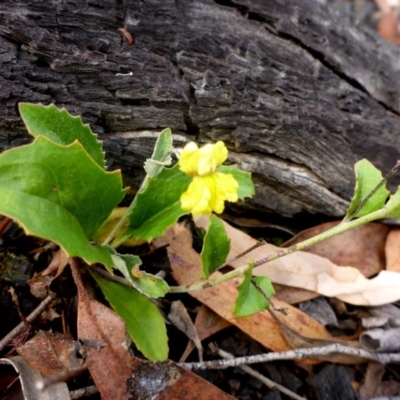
110,365
40,283
49,353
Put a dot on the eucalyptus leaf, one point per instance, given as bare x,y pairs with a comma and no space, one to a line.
216,246
246,185
253,299
61,127
158,206
144,321
161,155
367,178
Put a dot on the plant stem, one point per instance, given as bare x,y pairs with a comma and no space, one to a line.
342,227
124,218
205,284
238,272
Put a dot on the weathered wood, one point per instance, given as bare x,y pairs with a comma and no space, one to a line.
296,93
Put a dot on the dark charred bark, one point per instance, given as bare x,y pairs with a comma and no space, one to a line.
297,94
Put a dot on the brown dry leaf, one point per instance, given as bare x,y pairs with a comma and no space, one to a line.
392,250
293,295
41,282
207,323
49,353
315,273
180,317
362,248
374,386
110,365
186,267
296,338
191,387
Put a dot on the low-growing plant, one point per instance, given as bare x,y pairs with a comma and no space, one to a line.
58,188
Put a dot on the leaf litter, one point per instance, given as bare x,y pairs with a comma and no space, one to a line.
345,263
274,330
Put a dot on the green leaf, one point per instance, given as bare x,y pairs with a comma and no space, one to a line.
367,178
43,218
60,127
144,321
147,284
161,154
216,247
250,300
158,206
246,185
58,193
392,207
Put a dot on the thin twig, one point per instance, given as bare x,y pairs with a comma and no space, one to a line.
83,392
266,381
374,190
30,318
315,352
243,253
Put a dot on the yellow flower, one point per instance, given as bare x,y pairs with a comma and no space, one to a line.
209,189
195,161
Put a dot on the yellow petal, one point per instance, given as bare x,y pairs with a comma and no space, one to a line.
196,197
209,192
189,159
226,188
207,159
211,157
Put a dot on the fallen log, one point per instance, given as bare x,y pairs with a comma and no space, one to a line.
297,94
